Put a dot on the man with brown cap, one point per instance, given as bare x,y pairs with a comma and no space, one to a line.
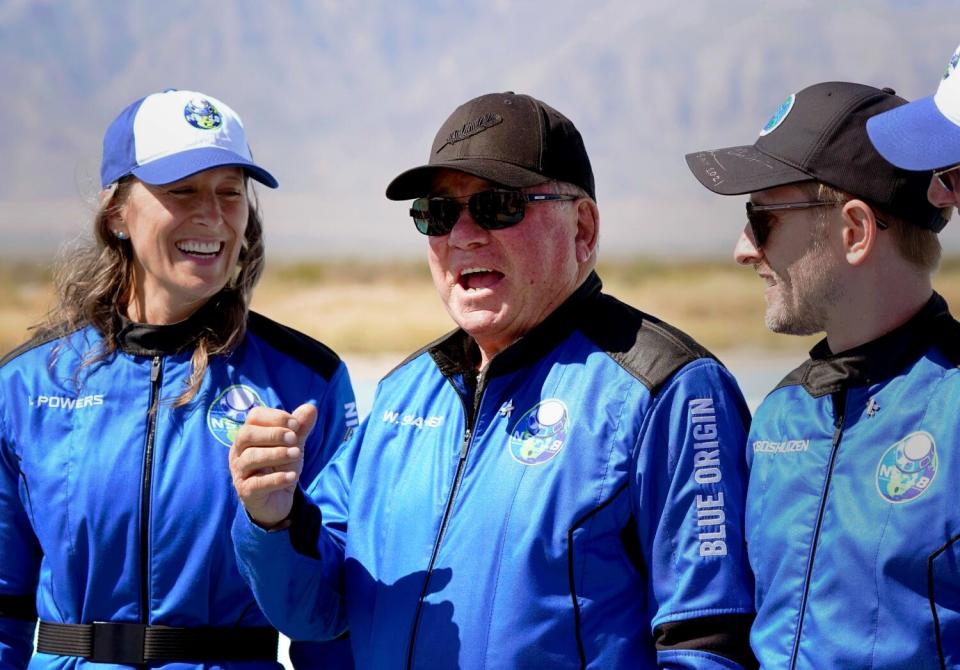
852,516
556,483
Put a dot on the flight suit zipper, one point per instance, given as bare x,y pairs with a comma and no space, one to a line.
461,464
839,407
156,379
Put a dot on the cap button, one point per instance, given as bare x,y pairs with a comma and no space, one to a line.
887,89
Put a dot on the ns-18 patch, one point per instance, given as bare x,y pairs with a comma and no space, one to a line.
229,410
540,433
200,113
908,468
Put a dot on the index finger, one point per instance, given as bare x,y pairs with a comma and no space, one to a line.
263,426
270,417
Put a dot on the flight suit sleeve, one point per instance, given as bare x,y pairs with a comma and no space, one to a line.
297,574
689,496
19,560
337,418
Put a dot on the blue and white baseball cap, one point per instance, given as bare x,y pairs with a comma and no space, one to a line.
167,136
925,134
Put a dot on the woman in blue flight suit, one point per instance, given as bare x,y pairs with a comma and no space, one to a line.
116,417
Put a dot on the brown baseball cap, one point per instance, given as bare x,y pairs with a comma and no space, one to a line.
507,138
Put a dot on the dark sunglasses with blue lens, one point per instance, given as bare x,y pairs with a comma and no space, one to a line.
491,210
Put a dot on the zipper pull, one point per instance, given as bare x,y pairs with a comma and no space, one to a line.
478,393
839,409
155,370
466,441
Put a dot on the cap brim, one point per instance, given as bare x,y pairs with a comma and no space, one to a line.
739,170
916,136
417,182
182,165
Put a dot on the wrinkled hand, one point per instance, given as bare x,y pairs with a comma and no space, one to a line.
266,460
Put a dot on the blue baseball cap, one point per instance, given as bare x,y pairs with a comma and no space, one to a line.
925,134
165,137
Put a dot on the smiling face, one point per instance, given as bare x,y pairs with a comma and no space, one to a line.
499,284
186,237
796,263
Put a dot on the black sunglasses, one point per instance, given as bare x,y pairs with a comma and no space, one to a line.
761,221
492,210
947,183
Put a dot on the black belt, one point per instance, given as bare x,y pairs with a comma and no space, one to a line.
134,643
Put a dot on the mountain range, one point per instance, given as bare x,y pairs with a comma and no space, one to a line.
339,97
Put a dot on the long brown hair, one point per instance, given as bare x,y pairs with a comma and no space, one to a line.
94,279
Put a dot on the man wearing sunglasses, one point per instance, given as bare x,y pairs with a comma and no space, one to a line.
556,483
852,519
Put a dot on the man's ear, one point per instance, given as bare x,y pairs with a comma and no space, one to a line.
588,229
859,234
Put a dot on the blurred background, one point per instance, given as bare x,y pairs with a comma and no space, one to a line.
339,97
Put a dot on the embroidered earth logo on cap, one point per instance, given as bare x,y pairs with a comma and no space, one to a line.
907,469
952,65
200,113
229,410
540,433
778,116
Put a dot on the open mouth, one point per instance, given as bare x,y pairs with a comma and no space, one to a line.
478,278
200,248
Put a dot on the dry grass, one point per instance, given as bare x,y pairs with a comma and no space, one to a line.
368,307
360,307
25,296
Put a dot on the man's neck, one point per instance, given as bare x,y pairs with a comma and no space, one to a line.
877,311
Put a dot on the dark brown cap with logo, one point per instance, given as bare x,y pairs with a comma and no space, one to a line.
510,139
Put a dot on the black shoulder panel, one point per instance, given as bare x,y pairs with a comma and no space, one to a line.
453,353
826,372
643,345
797,377
425,348
35,342
315,355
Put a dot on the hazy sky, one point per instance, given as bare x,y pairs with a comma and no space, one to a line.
338,97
